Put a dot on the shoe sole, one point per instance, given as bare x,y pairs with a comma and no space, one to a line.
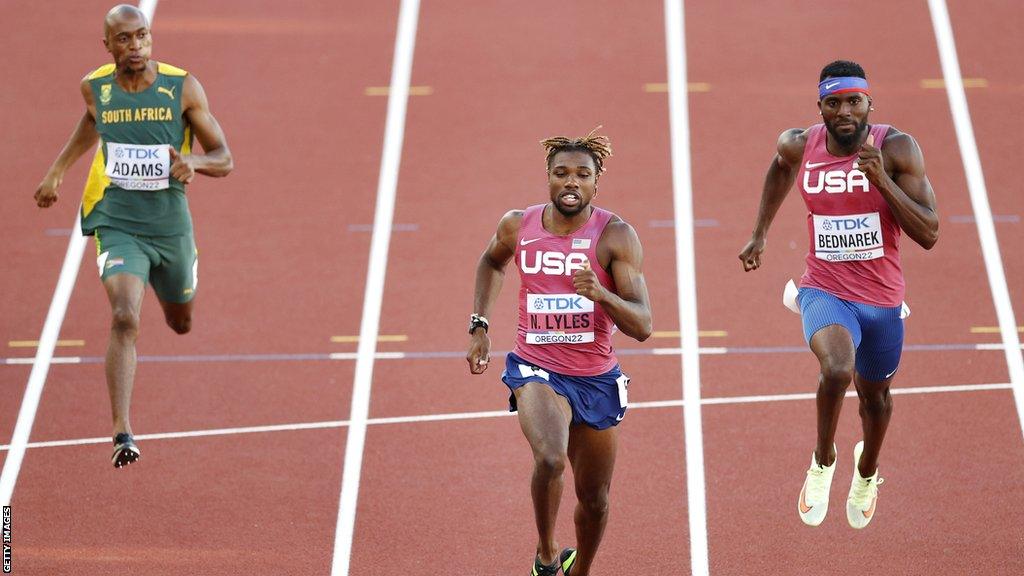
125,454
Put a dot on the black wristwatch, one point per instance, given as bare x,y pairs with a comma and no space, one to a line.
477,321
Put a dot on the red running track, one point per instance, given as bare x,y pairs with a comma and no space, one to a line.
284,259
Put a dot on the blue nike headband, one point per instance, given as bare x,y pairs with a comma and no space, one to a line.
841,85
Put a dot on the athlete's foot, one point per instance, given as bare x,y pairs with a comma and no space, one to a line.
567,559
860,504
125,450
541,569
813,502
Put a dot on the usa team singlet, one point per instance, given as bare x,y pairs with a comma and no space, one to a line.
854,237
559,329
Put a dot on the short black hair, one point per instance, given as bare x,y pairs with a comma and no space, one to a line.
842,68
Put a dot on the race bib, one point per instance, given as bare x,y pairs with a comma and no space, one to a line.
138,166
559,319
848,237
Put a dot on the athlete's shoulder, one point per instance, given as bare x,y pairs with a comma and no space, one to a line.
105,70
169,70
902,150
792,142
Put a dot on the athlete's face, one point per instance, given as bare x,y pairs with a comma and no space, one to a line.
572,182
129,42
845,116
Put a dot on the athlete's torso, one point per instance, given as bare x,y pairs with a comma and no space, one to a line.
130,187
559,329
854,237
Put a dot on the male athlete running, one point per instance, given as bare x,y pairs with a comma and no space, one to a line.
144,115
862,184
580,268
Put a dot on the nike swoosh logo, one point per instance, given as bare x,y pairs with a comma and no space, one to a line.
804,508
889,375
831,86
524,241
619,417
810,166
870,511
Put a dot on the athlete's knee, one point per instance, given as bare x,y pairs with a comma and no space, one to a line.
594,500
549,462
836,374
124,321
180,324
875,401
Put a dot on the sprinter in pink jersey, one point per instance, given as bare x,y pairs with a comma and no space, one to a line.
863,185
580,268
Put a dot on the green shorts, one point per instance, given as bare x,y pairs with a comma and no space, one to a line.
169,263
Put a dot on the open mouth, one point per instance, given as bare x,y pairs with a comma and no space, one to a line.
570,199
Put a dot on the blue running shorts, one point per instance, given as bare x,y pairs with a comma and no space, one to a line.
877,331
597,401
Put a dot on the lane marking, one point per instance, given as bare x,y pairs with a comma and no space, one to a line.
969,218
386,91
394,134
34,343
394,228
313,357
700,333
686,282
940,84
662,87
380,338
979,199
991,329
47,343
698,223
724,400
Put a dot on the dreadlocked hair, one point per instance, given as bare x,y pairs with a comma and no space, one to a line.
597,146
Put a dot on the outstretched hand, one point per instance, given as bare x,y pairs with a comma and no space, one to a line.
181,166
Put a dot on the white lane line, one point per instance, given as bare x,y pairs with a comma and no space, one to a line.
394,133
493,414
682,194
979,199
47,342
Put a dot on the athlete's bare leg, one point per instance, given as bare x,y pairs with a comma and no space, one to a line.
544,417
178,315
875,412
836,354
125,293
592,454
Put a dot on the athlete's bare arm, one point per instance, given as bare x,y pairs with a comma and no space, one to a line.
777,183
216,158
629,306
897,170
81,140
490,275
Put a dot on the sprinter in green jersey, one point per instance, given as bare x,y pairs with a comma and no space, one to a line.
144,114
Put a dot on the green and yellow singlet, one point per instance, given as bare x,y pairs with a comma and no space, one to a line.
130,187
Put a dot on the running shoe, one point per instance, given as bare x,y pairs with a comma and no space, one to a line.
813,502
567,559
543,570
860,504
125,450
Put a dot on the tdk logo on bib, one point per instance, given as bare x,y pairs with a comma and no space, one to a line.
558,304
552,263
836,182
842,224
137,153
